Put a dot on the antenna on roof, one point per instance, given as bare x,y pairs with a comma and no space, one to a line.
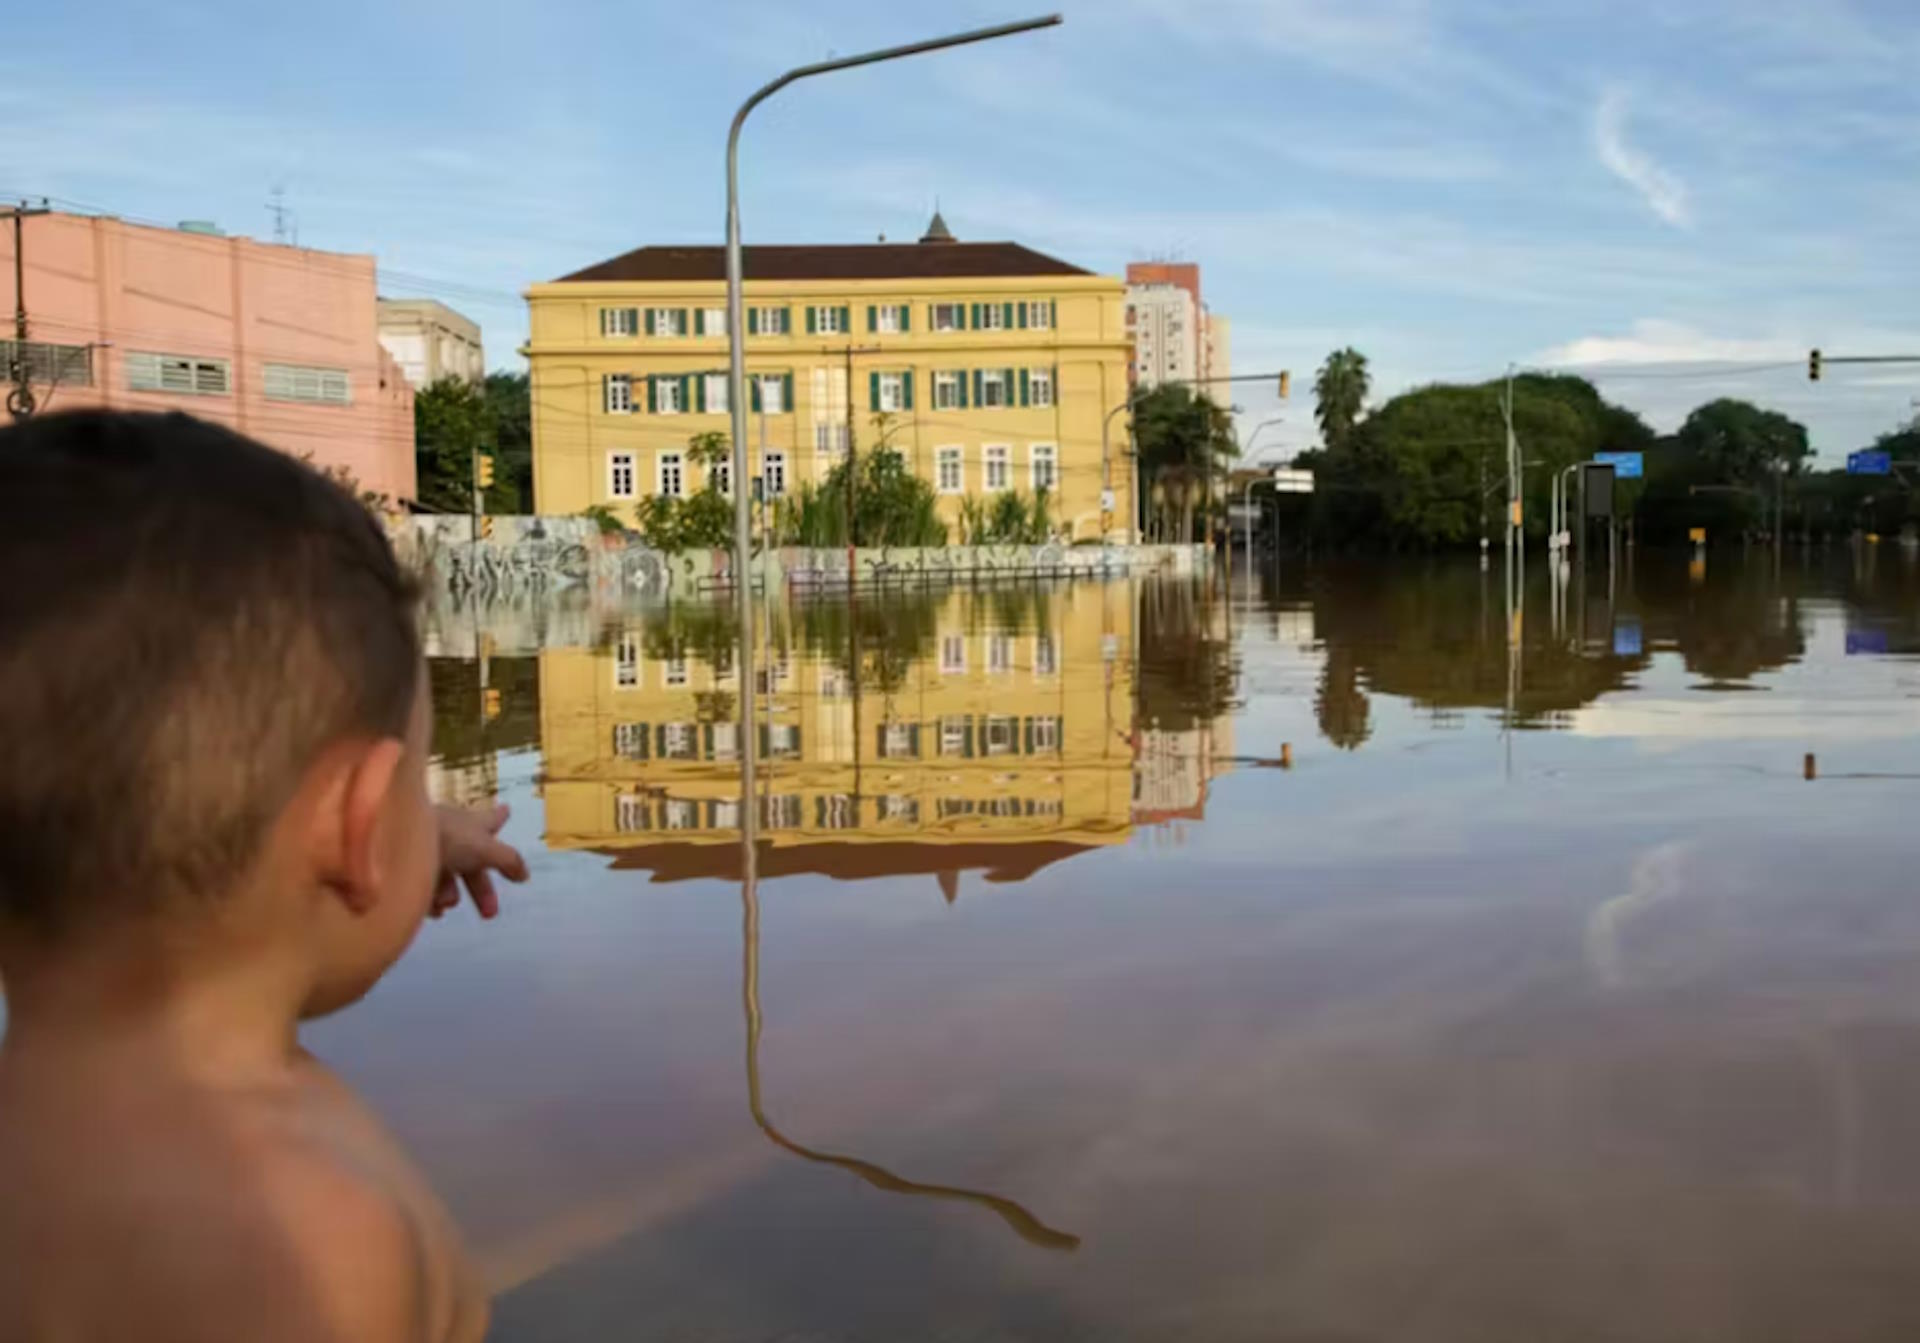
283,216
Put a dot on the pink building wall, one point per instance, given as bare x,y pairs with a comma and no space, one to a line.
128,289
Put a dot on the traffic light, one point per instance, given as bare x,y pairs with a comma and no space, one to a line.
1286,383
483,469
486,528
490,704
1813,365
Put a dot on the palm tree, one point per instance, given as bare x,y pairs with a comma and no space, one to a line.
1340,390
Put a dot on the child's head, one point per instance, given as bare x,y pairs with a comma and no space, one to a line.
213,720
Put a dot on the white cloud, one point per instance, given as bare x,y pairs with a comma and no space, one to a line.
1664,193
1651,341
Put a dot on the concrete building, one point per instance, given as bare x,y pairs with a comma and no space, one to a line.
1176,338
276,342
431,341
993,365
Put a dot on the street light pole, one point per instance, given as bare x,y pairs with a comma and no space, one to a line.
736,333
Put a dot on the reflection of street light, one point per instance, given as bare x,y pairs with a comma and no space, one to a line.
736,321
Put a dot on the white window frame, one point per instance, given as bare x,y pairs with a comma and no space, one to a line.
953,734
955,313
619,321
783,740
783,811
679,741
1046,734
1039,387
667,396
896,741
997,725
994,392
946,389
955,456
715,322
679,813
1048,453
626,662
999,654
670,465
721,474
632,811
778,317
726,740
886,318
893,392
179,374
666,323
1040,315
996,467
620,464
899,807
1046,655
830,440
826,320
773,474
313,384
993,317
716,392
673,672
773,394
616,393
953,655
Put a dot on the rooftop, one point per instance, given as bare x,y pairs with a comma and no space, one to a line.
857,261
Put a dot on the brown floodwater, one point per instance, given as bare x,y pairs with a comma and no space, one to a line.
1303,959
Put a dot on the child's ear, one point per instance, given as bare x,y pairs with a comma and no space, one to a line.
347,828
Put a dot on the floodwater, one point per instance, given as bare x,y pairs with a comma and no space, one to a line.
1297,960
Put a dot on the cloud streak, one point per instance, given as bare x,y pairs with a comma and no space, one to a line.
1664,193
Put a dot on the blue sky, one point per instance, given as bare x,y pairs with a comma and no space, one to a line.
1449,185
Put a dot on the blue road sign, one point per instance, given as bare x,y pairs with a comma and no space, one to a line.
1867,462
1626,637
1626,465
1866,642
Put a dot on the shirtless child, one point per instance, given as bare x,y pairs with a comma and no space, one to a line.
214,825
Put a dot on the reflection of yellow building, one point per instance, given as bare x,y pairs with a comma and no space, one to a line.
1000,746
995,367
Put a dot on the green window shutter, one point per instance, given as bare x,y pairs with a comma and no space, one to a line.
653,396
906,317
846,318
1006,314
753,321
1007,376
974,311
906,390
647,325
1020,311
873,391
699,401
873,320
699,321
753,393
681,329
686,391
786,321
978,381
786,395
810,320
931,324
1026,732
1023,387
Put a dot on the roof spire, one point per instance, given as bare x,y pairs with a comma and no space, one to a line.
937,230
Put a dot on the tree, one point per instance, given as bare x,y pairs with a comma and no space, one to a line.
1741,444
1183,440
510,407
451,422
1340,393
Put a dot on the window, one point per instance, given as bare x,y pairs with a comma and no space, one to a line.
299,382
1040,314
783,740
767,322
990,316
1000,735
998,476
833,683
672,481
891,392
712,321
827,321
630,740
830,439
1045,735
773,395
949,317
620,475
676,741
723,814
1040,387
178,373
675,671
899,807
773,472
679,813
726,742
782,811
896,741
947,391
949,472
616,393
890,318
631,812
999,653
715,393
666,321
626,662
669,396
953,654
61,365
835,811
1046,655
619,321
721,474
993,387
953,735
1046,475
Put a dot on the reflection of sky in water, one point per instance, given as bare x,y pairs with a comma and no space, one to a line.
1613,1040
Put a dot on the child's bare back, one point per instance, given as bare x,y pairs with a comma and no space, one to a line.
231,839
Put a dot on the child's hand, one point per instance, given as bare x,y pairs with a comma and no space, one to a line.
471,851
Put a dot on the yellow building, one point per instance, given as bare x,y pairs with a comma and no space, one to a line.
993,365
1004,744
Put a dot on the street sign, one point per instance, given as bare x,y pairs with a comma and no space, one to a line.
1867,462
1289,480
1626,465
1106,501
1626,637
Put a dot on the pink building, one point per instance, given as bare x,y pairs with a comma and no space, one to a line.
279,342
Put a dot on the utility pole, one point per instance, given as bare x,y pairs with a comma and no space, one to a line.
20,402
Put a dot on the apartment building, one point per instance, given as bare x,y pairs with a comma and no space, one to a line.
431,341
1176,337
988,366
